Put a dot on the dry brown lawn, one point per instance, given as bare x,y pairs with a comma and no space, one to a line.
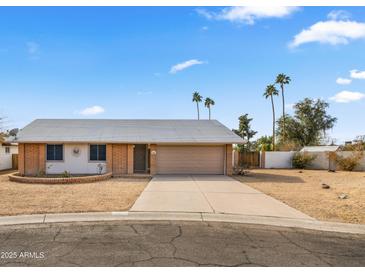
304,192
111,195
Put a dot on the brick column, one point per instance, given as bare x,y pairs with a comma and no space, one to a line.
130,159
41,158
109,158
229,159
21,167
153,155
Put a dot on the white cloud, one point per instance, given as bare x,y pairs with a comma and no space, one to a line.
330,32
32,47
357,74
347,96
184,65
204,28
94,110
248,15
289,106
339,15
32,50
343,81
205,13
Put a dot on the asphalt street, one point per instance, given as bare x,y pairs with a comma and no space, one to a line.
164,243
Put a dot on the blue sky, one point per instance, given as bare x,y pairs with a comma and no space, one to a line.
118,62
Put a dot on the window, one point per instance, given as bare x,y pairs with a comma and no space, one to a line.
7,150
54,152
97,152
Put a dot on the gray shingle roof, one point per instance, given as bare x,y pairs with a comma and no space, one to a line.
128,131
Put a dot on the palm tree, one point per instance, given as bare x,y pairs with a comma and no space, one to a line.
283,80
197,98
208,103
270,91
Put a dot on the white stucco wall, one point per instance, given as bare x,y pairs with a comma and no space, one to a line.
6,158
282,159
278,159
321,160
74,163
361,166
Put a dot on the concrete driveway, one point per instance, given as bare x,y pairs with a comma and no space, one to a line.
210,193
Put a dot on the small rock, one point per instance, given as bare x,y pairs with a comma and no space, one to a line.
300,171
331,170
342,196
325,186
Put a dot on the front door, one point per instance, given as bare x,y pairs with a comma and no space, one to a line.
140,153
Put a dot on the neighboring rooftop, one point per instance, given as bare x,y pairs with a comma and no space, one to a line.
7,141
128,131
319,148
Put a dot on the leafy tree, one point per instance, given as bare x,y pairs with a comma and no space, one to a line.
270,91
197,98
208,103
283,80
264,143
308,125
13,132
244,131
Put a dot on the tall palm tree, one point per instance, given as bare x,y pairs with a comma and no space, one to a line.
283,80
208,103
197,98
270,91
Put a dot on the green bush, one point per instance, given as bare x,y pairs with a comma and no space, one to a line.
302,160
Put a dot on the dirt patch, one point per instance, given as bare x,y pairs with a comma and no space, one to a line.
303,191
111,195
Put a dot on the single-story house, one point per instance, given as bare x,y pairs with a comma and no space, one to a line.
92,146
7,149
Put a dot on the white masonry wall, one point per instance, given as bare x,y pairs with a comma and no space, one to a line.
6,158
278,159
75,163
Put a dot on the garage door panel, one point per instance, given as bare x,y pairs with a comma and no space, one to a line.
190,159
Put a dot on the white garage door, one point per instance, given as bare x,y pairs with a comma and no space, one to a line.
190,159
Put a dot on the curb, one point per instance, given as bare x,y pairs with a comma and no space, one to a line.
181,216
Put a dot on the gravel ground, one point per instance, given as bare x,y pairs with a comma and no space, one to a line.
303,191
111,195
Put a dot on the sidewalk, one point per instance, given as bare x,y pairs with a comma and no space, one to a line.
172,216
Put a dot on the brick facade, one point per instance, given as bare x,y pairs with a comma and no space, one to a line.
21,163
31,159
119,159
119,155
229,169
130,159
153,149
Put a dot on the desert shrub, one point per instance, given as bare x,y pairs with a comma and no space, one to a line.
41,173
65,174
302,160
349,163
